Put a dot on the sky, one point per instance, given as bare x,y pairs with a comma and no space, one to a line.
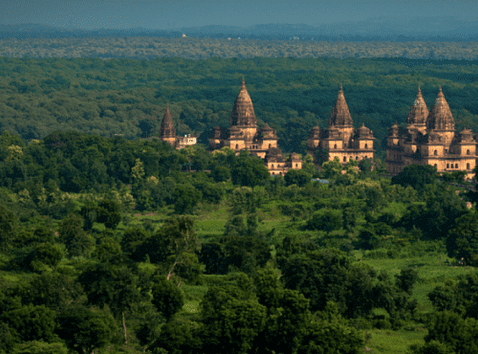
171,14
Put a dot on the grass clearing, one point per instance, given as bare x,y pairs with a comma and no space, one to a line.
393,342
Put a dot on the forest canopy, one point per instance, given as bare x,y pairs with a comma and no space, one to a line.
128,97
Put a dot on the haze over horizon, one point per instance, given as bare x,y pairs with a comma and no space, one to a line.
174,14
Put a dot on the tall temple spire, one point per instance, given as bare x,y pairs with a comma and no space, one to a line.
167,129
418,112
440,117
340,114
243,110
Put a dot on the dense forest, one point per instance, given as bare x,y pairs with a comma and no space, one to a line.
111,241
110,245
128,97
148,47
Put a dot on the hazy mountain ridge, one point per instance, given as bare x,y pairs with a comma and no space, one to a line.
379,28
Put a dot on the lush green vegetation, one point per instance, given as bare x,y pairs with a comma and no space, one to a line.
128,97
110,245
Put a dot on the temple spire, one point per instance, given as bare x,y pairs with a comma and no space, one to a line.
167,127
243,110
440,117
340,113
418,112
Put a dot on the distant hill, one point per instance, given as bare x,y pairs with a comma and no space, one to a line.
442,28
384,28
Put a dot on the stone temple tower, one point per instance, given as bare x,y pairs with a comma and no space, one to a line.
167,132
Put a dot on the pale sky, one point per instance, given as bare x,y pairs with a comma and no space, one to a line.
170,14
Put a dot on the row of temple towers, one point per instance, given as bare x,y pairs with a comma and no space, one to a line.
428,139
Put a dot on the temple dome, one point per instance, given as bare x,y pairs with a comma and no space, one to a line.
267,132
314,132
274,155
243,110
466,135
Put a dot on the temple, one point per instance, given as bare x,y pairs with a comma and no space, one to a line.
244,133
430,138
340,140
167,133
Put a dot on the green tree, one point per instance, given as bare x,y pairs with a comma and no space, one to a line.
89,213
54,290
137,171
108,213
167,297
462,240
450,329
8,228
331,169
108,284
220,173
178,338
335,335
231,318
84,329
132,239
365,166
108,250
245,253
417,176
31,322
249,171
298,177
78,243
406,279
48,254
287,314
185,198
325,219
212,256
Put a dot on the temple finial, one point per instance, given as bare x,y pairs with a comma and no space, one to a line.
243,82
340,86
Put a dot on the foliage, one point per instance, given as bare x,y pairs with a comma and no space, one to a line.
31,322
186,197
298,177
84,329
108,284
457,333
249,171
462,240
231,319
331,169
167,297
39,347
108,213
54,290
325,219
78,243
177,338
132,238
8,228
330,275
416,176
459,297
